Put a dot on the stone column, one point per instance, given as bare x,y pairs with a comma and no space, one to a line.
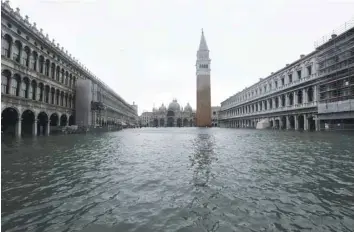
315,97
295,98
48,128
287,100
273,103
34,128
304,96
18,127
296,120
280,123
288,126
317,124
306,123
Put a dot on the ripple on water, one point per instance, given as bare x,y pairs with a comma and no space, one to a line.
180,179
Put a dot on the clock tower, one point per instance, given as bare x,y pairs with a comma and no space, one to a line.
203,115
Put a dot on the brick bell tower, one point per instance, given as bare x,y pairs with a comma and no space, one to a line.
203,85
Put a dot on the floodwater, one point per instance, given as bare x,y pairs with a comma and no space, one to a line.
179,179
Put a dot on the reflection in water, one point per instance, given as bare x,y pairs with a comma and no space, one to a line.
201,207
202,158
179,179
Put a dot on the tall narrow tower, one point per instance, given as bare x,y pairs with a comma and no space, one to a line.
203,85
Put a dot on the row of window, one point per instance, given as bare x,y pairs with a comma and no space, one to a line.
267,87
30,90
276,102
32,60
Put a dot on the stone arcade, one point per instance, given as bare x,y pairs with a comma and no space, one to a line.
39,84
315,92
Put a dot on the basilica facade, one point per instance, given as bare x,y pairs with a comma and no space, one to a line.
172,116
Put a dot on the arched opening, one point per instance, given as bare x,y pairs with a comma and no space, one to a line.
299,97
271,123
276,123
312,124
57,97
170,113
52,71
301,121
61,98
46,68
9,118
27,122
34,90
58,74
283,122
179,122
6,46
276,102
185,122
270,104
34,60
66,99
63,120
15,85
52,96
26,56
54,119
41,64
42,123
46,93
71,120
5,81
310,94
62,75
70,80
66,78
162,122
291,122
191,123
40,92
156,122
17,49
170,122
26,88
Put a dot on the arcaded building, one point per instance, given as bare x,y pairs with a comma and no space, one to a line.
44,87
315,92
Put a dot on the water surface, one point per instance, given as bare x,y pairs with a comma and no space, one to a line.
179,179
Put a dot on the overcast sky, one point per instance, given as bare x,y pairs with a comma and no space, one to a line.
146,49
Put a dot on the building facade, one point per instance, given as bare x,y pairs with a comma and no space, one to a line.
43,86
203,84
215,116
172,116
308,94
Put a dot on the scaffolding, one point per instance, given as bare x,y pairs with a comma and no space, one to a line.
335,60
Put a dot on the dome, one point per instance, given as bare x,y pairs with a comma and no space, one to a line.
162,107
174,106
188,108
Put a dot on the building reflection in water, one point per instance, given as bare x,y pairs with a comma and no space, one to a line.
203,207
202,158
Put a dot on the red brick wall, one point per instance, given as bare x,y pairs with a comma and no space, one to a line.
203,101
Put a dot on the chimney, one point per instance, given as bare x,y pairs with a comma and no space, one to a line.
286,65
271,73
333,36
302,56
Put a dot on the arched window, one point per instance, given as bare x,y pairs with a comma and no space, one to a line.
4,83
23,89
14,84
34,60
6,46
